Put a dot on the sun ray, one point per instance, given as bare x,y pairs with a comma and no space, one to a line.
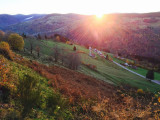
99,15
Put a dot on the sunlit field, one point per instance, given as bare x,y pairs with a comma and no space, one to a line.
106,70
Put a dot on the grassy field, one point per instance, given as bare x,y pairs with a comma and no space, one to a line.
106,70
139,70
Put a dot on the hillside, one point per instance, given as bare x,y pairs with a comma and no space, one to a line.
105,70
7,20
68,94
117,33
57,79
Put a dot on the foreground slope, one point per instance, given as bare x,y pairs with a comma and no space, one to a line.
84,97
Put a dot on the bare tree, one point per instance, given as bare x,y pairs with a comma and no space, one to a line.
73,61
38,51
56,53
62,56
31,41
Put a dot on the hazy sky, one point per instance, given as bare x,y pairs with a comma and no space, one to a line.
78,6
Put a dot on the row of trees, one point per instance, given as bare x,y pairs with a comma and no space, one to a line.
10,41
14,40
70,60
58,55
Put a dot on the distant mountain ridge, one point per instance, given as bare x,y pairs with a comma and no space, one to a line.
7,20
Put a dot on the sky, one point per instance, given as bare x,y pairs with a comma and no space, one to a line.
87,7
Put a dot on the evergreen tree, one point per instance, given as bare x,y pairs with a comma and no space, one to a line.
150,74
39,37
46,37
24,35
74,48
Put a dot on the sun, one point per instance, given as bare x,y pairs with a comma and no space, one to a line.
99,15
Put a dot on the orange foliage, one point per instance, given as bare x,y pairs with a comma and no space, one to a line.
5,74
93,67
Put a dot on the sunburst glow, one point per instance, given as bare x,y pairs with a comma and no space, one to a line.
99,15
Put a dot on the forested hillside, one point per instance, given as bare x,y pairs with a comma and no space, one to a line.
118,33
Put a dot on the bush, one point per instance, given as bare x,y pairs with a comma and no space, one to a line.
28,93
2,34
107,57
74,48
73,61
6,52
58,106
140,91
4,94
150,74
5,45
16,42
90,66
12,115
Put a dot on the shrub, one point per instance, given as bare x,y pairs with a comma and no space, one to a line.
110,58
140,91
28,93
6,81
16,42
5,94
127,61
58,106
150,74
107,57
12,115
73,61
2,34
68,42
74,48
5,45
90,66
6,52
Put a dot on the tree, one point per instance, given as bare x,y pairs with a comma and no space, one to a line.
39,37
56,53
73,61
107,57
38,50
29,93
62,56
46,37
24,35
2,34
57,38
5,50
5,45
16,42
150,75
31,40
74,48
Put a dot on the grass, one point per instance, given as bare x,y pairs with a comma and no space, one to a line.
139,70
106,70
16,73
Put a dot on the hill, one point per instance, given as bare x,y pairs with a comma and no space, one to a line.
105,70
50,79
7,20
117,33
68,94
